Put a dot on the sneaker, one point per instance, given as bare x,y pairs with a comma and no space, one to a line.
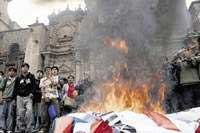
9,132
41,131
1,131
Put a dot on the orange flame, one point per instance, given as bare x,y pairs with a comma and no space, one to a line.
119,95
117,43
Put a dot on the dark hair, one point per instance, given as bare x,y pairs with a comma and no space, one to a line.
55,68
70,76
25,64
64,80
40,71
1,72
46,68
12,68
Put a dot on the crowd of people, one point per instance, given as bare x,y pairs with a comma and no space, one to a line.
32,102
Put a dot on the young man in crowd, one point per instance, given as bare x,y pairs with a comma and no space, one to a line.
54,71
37,100
7,87
23,91
69,95
60,84
48,85
56,78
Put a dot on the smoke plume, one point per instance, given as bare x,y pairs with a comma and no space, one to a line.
147,27
140,23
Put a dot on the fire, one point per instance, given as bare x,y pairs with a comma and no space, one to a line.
120,95
117,43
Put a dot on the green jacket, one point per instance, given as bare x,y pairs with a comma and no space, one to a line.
7,86
1,80
189,74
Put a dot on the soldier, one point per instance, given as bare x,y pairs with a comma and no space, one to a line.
196,89
7,86
187,63
23,91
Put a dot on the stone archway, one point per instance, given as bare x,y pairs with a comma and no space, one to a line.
13,52
14,57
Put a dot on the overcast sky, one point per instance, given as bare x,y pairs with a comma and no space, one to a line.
25,12
188,2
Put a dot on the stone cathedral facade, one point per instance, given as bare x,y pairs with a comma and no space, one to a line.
41,45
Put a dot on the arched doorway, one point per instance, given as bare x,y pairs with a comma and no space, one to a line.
14,57
13,53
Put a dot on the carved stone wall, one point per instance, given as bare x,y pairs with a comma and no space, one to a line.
12,48
41,45
63,36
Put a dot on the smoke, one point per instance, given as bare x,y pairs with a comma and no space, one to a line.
173,23
132,21
147,27
139,23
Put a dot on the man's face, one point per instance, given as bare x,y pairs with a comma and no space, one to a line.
48,71
39,75
25,69
11,73
54,71
70,79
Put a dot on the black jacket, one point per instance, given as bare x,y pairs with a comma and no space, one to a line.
38,92
24,85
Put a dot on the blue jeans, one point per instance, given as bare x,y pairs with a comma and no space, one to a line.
7,116
24,113
45,118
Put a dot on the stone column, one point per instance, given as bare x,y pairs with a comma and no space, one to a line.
31,54
36,43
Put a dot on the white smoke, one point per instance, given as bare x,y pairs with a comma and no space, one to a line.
139,23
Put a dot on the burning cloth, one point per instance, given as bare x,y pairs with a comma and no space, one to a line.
129,122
